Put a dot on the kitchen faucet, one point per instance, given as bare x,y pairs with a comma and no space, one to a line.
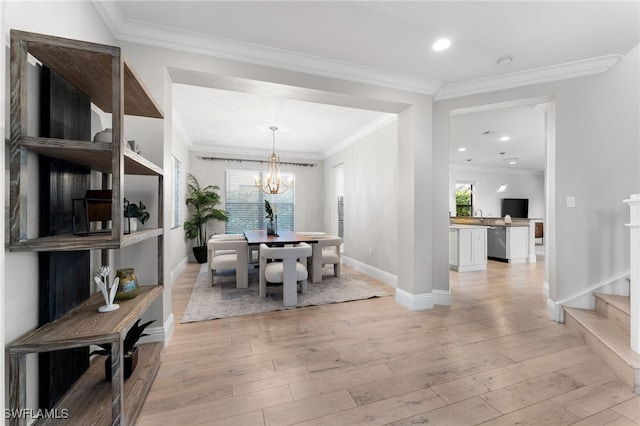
476,214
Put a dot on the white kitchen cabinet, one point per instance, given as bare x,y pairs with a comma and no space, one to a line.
518,244
467,248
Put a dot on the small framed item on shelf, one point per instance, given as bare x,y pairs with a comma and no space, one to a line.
92,214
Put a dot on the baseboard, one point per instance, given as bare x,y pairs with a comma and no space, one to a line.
414,302
379,274
160,334
442,297
179,268
555,311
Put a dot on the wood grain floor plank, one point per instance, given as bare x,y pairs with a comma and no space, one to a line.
492,357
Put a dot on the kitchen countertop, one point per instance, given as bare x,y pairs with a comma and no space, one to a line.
490,222
506,225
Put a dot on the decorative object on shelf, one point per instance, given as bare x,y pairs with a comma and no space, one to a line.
108,290
105,135
134,146
203,202
128,287
273,182
96,209
272,224
129,349
134,213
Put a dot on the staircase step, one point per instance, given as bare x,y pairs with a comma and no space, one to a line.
616,309
609,342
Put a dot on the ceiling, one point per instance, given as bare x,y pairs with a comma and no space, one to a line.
479,134
385,43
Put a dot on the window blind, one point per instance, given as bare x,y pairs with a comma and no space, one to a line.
244,202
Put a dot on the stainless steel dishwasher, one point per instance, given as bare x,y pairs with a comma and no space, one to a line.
497,243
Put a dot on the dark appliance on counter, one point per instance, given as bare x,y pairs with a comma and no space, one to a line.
515,207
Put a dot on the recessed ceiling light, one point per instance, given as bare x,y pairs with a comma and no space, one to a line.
441,45
462,149
512,162
504,138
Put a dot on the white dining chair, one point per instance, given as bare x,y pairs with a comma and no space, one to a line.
289,271
229,253
325,252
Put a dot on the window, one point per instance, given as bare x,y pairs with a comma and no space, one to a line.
464,199
245,203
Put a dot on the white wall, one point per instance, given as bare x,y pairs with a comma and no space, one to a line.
486,183
370,198
596,160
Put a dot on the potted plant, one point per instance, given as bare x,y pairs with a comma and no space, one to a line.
203,203
129,349
269,216
135,213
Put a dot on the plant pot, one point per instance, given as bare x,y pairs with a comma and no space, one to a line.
271,229
130,224
201,254
130,362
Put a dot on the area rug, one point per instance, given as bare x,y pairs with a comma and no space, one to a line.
225,300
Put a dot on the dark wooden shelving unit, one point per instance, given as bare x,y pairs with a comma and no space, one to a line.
102,75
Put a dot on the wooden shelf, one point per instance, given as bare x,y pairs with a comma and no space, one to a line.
89,400
70,242
88,66
100,73
85,325
95,155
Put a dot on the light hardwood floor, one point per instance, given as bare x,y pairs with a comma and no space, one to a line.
493,357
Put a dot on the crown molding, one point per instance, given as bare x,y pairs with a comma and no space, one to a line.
527,78
486,169
161,36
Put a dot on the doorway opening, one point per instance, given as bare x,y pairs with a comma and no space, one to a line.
506,149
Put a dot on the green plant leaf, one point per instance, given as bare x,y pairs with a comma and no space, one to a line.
203,204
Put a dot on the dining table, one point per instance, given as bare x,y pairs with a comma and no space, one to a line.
257,237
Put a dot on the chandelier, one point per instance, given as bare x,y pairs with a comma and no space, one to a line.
272,183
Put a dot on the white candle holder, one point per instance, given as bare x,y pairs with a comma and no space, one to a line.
108,291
